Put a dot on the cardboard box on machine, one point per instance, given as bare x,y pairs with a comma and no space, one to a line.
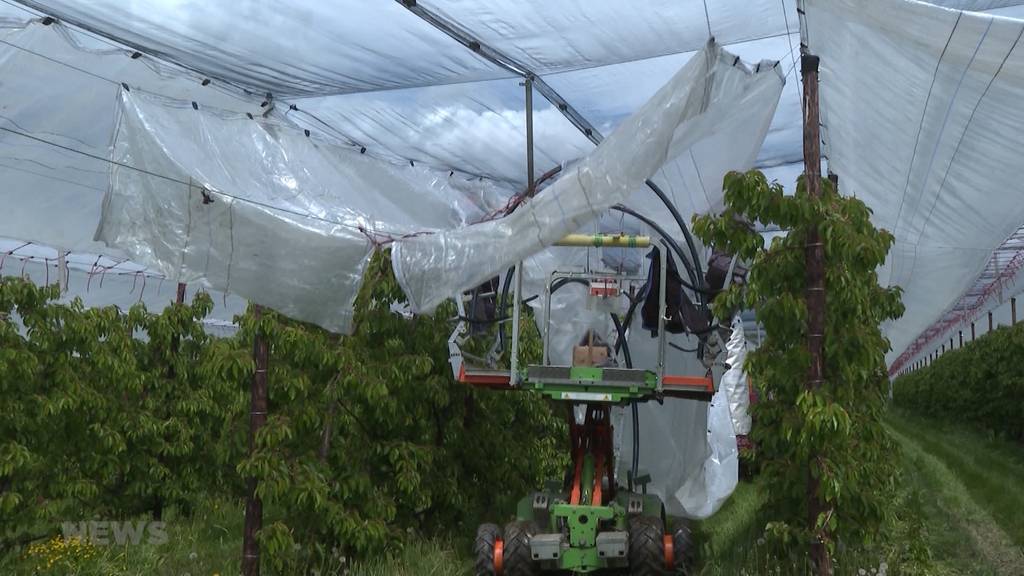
589,355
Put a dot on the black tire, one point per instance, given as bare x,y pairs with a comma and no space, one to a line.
483,548
682,548
517,558
646,546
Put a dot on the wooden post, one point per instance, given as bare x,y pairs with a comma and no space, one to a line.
989,320
257,418
972,332
814,256
961,338
1013,311
180,298
950,343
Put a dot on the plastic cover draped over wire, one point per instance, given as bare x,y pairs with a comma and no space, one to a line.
712,97
307,213
923,121
263,211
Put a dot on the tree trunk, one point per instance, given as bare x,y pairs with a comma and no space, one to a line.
815,296
257,418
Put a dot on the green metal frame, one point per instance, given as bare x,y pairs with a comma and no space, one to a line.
584,522
589,386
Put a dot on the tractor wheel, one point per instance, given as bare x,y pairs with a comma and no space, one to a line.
647,546
487,535
518,561
682,549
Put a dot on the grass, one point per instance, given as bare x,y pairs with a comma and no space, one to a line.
991,470
959,511
972,496
206,544
430,558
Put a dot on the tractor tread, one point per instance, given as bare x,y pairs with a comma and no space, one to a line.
646,548
483,548
517,560
682,543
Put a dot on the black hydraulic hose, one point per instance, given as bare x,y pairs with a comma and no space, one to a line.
682,226
472,303
675,248
621,340
680,348
502,298
568,280
693,284
620,328
690,244
627,320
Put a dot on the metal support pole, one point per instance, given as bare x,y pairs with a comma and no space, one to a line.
662,311
950,343
530,191
815,296
989,320
517,303
961,338
972,332
1013,311
63,274
257,418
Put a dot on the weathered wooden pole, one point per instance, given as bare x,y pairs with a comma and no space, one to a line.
961,338
257,418
815,276
972,332
1013,311
989,320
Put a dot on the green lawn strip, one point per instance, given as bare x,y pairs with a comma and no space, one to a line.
207,543
726,541
961,534
990,470
947,542
422,558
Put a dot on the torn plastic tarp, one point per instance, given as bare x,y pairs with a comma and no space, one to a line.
263,211
734,381
688,447
713,94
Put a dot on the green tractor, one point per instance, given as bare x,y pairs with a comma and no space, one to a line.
588,521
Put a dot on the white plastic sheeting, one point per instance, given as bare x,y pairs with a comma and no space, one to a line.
233,202
303,48
60,93
922,119
713,98
317,56
734,381
688,447
708,485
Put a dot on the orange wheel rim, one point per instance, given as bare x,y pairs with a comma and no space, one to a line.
499,557
670,551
